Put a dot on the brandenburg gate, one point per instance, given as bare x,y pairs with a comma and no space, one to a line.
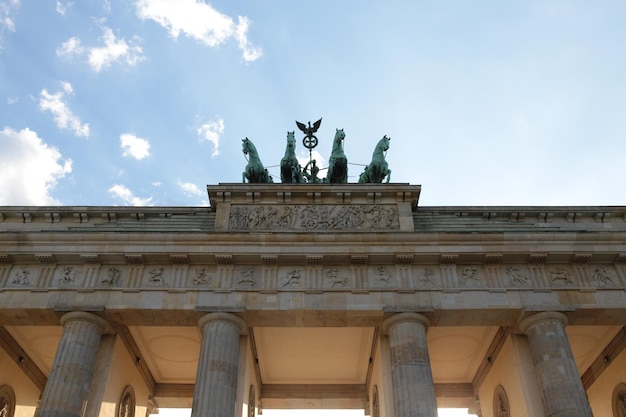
312,295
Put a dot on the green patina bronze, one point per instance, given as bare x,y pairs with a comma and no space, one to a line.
377,170
291,172
290,169
255,171
338,162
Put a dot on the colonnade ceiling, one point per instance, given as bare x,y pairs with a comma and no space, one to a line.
310,355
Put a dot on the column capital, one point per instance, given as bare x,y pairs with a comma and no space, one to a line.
542,317
104,325
224,317
405,318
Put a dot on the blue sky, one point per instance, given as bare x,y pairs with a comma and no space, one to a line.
125,102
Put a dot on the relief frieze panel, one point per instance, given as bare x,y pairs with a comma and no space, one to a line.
319,277
366,217
427,277
110,277
202,276
156,276
471,276
337,278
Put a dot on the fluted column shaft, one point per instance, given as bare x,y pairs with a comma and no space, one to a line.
412,379
557,375
216,381
72,369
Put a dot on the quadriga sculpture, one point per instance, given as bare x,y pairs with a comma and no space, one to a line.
377,170
290,169
255,171
338,162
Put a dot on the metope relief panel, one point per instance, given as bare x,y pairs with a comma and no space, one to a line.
382,277
471,276
111,277
201,276
291,278
369,217
246,278
157,276
22,277
561,276
602,276
68,276
516,276
337,278
427,277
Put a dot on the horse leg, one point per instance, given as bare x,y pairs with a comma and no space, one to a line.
243,177
388,175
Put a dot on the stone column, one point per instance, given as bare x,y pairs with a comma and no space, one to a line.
70,376
412,379
216,381
557,375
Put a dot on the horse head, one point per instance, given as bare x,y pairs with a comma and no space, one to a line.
383,144
340,135
291,142
247,146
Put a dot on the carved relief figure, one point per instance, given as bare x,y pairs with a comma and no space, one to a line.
112,277
246,277
602,276
66,276
561,275
470,273
621,404
516,278
4,407
288,217
21,278
126,406
334,278
314,217
7,401
383,277
501,406
202,277
156,276
427,277
292,279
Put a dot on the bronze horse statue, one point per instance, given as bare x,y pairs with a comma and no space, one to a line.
255,171
290,169
378,169
338,162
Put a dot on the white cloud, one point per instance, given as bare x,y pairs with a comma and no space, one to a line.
101,57
8,10
212,131
122,192
63,116
113,50
70,48
134,146
250,52
106,6
12,100
199,21
190,188
30,169
62,8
